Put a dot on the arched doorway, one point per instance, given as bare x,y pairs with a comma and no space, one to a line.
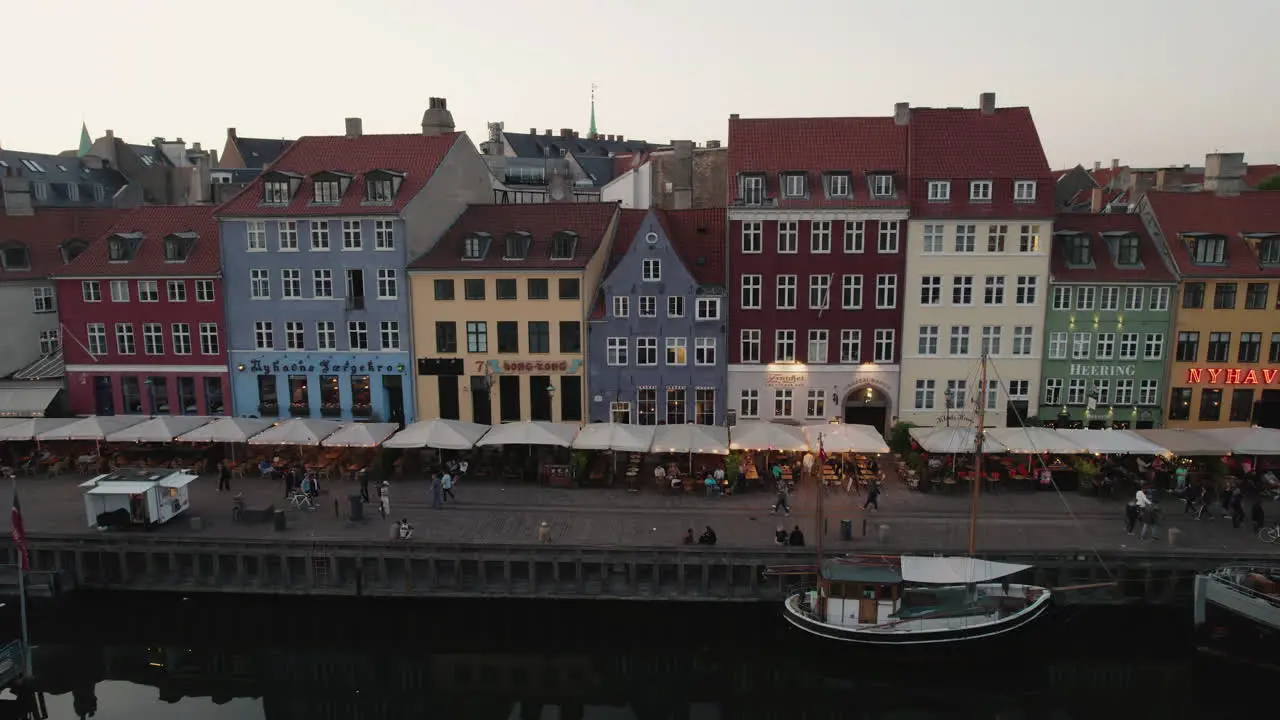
867,405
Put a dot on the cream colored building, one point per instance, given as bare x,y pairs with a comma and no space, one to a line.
973,286
499,311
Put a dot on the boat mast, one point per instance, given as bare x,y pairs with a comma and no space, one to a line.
977,448
822,602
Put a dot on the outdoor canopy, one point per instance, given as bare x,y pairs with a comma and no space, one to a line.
531,432
361,435
953,440
438,433
163,428
31,428
764,435
1033,440
91,428
1246,440
227,430
298,431
1113,442
1184,442
842,438
707,439
615,436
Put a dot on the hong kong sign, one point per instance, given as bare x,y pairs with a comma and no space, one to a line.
516,367
1080,370
1232,376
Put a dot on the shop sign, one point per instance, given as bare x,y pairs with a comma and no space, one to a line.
785,380
1232,376
323,366
1081,370
875,382
516,367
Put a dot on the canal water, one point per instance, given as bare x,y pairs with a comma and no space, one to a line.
214,657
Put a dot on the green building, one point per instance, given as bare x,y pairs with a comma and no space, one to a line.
1108,325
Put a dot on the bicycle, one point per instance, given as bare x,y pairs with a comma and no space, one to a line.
1270,534
301,501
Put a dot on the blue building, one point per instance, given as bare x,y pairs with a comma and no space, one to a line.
657,335
314,253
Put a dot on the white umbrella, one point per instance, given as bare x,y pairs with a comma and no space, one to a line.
30,428
438,433
1181,442
91,428
615,436
159,429
707,439
1113,442
226,430
1247,440
535,432
764,435
842,438
953,440
361,435
298,431
1034,440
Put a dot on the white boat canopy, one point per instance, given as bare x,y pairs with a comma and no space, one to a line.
706,439
298,431
1247,440
1033,440
159,429
91,428
30,428
764,435
955,570
1182,442
953,440
438,433
615,436
227,430
531,432
841,438
361,435
1113,442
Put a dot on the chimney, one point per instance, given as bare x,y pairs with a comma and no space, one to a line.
111,134
231,133
566,132
1224,173
733,116
680,174
1097,165
1115,163
902,113
355,127
575,133
621,139
533,131
1095,200
1169,178
436,119
987,103
548,133
713,144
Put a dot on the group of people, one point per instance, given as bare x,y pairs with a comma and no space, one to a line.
1198,500
708,537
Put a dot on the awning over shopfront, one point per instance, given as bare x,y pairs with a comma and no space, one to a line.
159,429
1246,440
1113,442
615,436
298,431
843,438
30,428
953,440
1033,440
763,435
93,427
705,439
26,402
535,432
438,433
361,435
226,430
1184,442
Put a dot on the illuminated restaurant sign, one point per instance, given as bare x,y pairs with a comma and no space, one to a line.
785,380
324,365
1232,376
512,367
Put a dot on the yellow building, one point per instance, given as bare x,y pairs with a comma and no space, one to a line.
1225,360
499,309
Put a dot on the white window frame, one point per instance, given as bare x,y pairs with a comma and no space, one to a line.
388,283
295,335
264,335
152,339
749,403
927,340
785,295
646,351
980,191
255,235
647,306
1027,291
322,283
1059,341
707,309
749,346
704,351
855,237
817,347
752,286
925,394
352,236
259,284
934,239
851,346
819,292
148,291
815,405
931,290
287,235
887,237
96,335
320,236
886,292
616,351
885,339
752,237
675,306
676,352
326,335
389,335
358,335
621,306
91,291
205,291
384,235
784,338
1024,190
651,270
291,284
180,336
820,237
1024,337
851,292
788,237
939,191
210,339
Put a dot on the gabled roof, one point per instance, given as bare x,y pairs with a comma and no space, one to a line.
417,156
257,153
1180,214
527,145
1098,227
696,235
966,144
589,221
856,145
45,233
599,168
57,171
151,224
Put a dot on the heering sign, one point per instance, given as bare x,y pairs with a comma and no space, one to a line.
1103,370
1232,376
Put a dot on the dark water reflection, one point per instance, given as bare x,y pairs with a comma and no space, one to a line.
146,657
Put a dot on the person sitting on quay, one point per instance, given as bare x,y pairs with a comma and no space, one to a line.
780,536
796,539
406,529
688,537
708,537
544,532
713,488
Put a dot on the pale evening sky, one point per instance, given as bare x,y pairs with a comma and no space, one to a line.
1151,82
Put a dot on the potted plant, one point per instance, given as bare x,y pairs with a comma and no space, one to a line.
900,438
578,463
1086,471
732,466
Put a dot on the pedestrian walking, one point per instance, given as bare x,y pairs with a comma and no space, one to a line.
224,476
781,502
1237,508
384,499
1150,522
437,492
1131,513
873,495
446,487
364,485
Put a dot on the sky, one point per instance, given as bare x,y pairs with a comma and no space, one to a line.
1149,82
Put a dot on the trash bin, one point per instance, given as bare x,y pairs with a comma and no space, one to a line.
279,522
846,530
357,507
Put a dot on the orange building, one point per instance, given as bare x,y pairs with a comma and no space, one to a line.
1225,365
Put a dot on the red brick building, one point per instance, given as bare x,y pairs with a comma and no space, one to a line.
142,317
817,224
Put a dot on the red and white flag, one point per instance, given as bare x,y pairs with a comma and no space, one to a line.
19,532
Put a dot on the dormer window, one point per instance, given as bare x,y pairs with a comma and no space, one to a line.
838,185
475,246
381,186
1208,249
563,245
178,246
72,249
15,257
121,247
276,192
517,246
980,191
1024,190
1127,250
327,188
882,185
794,185
1079,253
1269,250
939,191
73,192
751,188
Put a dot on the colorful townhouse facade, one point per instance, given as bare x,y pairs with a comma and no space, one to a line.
657,333
1107,324
314,252
817,216
1225,248
977,264
141,310
500,305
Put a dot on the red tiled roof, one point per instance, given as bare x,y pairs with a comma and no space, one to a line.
155,223
856,145
1152,267
44,233
1181,213
966,144
1256,174
417,156
699,237
1084,198
590,221
629,222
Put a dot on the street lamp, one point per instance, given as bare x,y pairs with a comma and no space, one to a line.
946,407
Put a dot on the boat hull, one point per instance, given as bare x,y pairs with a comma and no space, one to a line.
906,637
1236,625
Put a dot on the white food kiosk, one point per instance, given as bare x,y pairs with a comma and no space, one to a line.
136,497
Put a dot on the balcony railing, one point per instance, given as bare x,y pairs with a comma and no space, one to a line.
331,410
300,409
269,409
362,411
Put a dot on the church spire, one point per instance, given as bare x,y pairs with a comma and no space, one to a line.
86,142
591,133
